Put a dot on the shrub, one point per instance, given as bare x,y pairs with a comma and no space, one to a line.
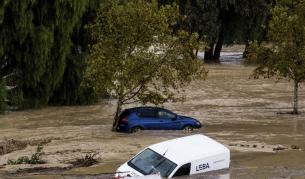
86,161
35,158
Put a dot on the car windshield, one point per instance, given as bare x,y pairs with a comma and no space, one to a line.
150,162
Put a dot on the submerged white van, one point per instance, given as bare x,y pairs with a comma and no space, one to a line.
183,156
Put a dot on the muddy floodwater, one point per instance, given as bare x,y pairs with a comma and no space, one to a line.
242,113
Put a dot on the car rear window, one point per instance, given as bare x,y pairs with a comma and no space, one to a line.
124,114
147,113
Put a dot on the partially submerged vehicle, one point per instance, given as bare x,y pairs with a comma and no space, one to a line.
178,157
154,118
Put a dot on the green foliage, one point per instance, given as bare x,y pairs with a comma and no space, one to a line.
35,158
70,91
15,97
2,96
257,54
224,21
284,56
136,58
36,40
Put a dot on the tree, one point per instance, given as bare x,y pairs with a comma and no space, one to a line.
35,38
224,22
70,91
284,56
136,58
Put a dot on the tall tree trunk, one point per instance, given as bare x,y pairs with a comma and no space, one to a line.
218,47
208,54
246,50
197,51
198,47
295,98
117,117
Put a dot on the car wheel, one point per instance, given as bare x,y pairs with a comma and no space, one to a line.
135,129
188,128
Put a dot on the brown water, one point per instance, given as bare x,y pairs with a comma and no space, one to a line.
237,111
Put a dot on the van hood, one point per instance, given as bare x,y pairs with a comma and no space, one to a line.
126,171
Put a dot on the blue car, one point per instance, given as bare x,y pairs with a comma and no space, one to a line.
154,118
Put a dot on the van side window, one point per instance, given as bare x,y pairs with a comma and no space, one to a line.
183,170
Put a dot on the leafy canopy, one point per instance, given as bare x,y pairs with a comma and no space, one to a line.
35,38
135,57
284,56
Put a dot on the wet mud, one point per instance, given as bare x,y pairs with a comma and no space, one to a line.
241,113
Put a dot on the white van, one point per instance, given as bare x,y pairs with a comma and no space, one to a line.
183,156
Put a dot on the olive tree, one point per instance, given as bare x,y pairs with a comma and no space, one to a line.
135,57
284,55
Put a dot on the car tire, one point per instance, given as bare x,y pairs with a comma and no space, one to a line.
188,128
136,129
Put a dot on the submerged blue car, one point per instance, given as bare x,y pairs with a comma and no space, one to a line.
154,118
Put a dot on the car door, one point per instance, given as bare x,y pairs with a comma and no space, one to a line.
168,120
149,118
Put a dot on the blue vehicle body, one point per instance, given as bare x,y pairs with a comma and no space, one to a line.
154,118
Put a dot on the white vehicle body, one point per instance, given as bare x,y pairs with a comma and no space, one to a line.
196,153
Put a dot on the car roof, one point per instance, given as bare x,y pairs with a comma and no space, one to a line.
146,108
188,149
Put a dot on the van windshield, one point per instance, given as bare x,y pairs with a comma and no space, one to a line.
149,162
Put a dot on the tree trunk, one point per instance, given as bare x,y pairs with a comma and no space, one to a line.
218,47
208,54
246,52
116,117
197,51
198,47
295,98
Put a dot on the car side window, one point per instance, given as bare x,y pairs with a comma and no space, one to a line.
166,115
147,114
183,170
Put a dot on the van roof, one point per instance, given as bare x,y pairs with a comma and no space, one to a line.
188,149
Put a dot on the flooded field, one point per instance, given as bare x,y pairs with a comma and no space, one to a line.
240,112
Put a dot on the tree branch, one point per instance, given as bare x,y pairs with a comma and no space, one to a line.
132,102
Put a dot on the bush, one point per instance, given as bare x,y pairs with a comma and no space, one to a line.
15,97
35,158
86,161
257,53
